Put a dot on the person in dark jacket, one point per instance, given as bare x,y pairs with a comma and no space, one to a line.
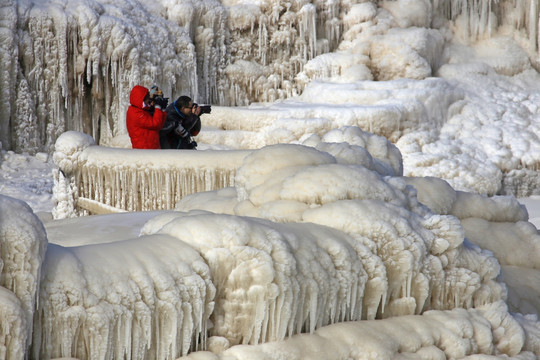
144,118
182,123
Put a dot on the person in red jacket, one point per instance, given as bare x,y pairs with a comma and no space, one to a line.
145,117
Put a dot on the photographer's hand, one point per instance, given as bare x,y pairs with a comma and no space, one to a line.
196,109
161,102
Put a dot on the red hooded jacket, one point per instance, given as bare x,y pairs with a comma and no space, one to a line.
142,127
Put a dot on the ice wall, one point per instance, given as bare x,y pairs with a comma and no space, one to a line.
93,178
23,242
272,41
79,59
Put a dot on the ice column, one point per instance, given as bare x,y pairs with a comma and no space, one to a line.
14,330
8,59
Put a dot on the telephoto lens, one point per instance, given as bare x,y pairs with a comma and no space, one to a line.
205,109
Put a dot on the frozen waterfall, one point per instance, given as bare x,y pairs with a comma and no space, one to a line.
78,60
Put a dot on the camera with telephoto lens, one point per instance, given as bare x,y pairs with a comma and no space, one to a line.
205,109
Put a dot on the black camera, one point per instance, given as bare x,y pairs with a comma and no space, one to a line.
205,109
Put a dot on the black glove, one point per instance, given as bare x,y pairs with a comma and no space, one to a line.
161,102
192,144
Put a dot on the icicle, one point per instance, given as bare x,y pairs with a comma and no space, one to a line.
533,23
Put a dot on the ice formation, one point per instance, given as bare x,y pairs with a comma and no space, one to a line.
97,179
267,240
492,223
135,298
23,242
455,334
79,60
412,257
303,238
129,299
482,140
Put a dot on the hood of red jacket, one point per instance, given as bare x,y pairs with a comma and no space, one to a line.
137,95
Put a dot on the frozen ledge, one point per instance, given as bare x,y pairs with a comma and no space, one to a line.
132,179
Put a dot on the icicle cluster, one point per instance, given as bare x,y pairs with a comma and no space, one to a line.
136,299
272,41
133,180
144,298
486,332
271,281
341,242
23,242
80,59
480,19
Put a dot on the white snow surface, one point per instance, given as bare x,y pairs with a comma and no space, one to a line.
352,196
